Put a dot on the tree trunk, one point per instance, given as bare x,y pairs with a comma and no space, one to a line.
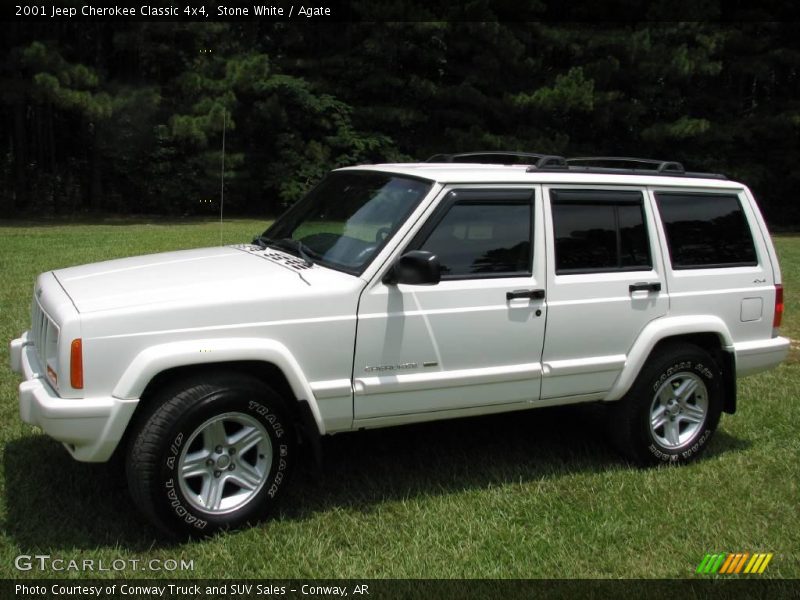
56,188
95,170
19,199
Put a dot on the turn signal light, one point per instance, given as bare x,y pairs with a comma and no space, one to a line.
76,364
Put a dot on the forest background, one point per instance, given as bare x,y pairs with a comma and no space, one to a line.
106,118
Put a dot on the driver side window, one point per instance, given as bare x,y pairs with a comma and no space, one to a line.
482,234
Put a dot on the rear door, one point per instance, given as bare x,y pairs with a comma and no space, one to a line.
605,282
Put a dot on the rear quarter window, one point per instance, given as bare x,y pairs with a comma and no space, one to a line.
706,231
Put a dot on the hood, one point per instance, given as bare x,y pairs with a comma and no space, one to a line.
207,275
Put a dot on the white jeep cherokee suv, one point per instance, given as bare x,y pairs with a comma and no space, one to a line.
400,293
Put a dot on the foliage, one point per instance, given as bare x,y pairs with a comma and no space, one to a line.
129,118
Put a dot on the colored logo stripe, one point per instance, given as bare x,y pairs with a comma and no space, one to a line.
727,564
764,564
734,563
701,568
740,564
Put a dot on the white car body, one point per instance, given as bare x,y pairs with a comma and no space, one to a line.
362,353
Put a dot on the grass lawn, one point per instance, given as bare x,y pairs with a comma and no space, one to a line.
535,494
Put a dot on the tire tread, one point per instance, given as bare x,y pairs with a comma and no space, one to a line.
153,425
623,427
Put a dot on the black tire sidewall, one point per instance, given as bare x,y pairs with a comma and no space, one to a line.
698,363
169,502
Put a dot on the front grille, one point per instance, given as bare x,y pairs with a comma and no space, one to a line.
45,335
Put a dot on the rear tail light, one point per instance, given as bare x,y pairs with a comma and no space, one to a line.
776,321
76,364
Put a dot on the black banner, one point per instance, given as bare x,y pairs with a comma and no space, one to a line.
388,589
409,10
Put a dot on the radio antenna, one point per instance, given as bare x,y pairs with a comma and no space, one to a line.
222,176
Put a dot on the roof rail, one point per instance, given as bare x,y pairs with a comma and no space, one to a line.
661,166
551,163
536,160
583,164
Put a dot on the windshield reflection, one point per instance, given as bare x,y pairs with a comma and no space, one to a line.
348,218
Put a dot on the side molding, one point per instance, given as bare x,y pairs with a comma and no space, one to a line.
658,330
156,359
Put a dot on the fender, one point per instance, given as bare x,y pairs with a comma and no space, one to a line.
156,359
660,329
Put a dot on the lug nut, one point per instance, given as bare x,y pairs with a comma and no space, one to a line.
209,462
232,450
231,467
217,473
218,449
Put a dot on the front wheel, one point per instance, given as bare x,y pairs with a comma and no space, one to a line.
210,455
672,409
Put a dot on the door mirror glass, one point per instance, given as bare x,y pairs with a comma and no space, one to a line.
416,267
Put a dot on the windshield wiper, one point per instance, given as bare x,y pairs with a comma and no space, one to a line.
299,247
262,241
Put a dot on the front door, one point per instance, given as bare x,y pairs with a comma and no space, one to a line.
474,339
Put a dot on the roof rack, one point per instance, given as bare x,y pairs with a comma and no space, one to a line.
668,168
661,166
537,160
583,164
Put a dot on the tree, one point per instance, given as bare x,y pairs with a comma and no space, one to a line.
129,118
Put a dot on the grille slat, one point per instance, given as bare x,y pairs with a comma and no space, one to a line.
40,328
42,335
35,321
45,335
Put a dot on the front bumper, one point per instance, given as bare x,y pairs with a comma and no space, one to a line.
90,428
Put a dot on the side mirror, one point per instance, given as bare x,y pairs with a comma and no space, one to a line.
417,267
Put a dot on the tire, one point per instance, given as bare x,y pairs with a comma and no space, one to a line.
672,410
210,455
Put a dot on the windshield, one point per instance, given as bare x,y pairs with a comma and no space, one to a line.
346,220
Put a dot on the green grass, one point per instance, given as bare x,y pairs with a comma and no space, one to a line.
535,494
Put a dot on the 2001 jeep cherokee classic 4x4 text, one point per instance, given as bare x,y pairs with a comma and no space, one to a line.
399,293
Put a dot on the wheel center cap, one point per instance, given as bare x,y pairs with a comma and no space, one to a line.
673,409
223,461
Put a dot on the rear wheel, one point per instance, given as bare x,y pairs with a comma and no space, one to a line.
210,455
672,409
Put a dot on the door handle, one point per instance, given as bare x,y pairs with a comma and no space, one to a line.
644,287
532,294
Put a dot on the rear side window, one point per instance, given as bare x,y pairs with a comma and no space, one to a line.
706,231
599,231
